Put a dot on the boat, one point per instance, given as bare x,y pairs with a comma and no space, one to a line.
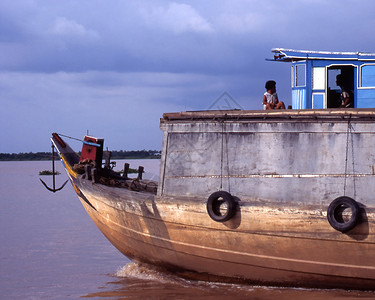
271,197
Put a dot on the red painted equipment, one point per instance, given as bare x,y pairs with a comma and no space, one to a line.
92,149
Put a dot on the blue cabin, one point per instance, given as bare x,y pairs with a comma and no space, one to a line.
314,74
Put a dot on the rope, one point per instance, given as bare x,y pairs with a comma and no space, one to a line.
348,131
351,137
69,137
222,155
80,140
223,131
227,152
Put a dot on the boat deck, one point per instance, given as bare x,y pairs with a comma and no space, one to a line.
277,115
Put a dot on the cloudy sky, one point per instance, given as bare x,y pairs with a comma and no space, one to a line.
113,67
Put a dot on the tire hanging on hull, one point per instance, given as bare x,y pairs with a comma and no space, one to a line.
335,213
214,206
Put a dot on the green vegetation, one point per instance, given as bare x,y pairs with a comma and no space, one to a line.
138,154
48,172
25,156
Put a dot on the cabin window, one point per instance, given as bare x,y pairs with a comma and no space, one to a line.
368,76
300,75
319,78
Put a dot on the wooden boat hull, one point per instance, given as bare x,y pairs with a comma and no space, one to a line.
294,248
279,233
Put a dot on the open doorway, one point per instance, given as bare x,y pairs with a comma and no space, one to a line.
333,90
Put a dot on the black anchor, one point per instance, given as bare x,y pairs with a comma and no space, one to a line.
54,189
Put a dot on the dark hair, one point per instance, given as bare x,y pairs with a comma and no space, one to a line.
270,84
341,80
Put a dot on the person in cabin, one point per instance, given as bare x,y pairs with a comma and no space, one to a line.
346,96
270,99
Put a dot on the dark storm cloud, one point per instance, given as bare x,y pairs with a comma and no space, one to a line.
164,36
64,65
167,36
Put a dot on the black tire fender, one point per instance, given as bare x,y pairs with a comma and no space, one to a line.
215,200
335,210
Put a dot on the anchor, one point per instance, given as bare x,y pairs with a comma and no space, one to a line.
54,189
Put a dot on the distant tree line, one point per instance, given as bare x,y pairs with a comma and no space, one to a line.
25,156
136,154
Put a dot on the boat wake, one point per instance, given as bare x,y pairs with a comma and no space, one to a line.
155,282
149,273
